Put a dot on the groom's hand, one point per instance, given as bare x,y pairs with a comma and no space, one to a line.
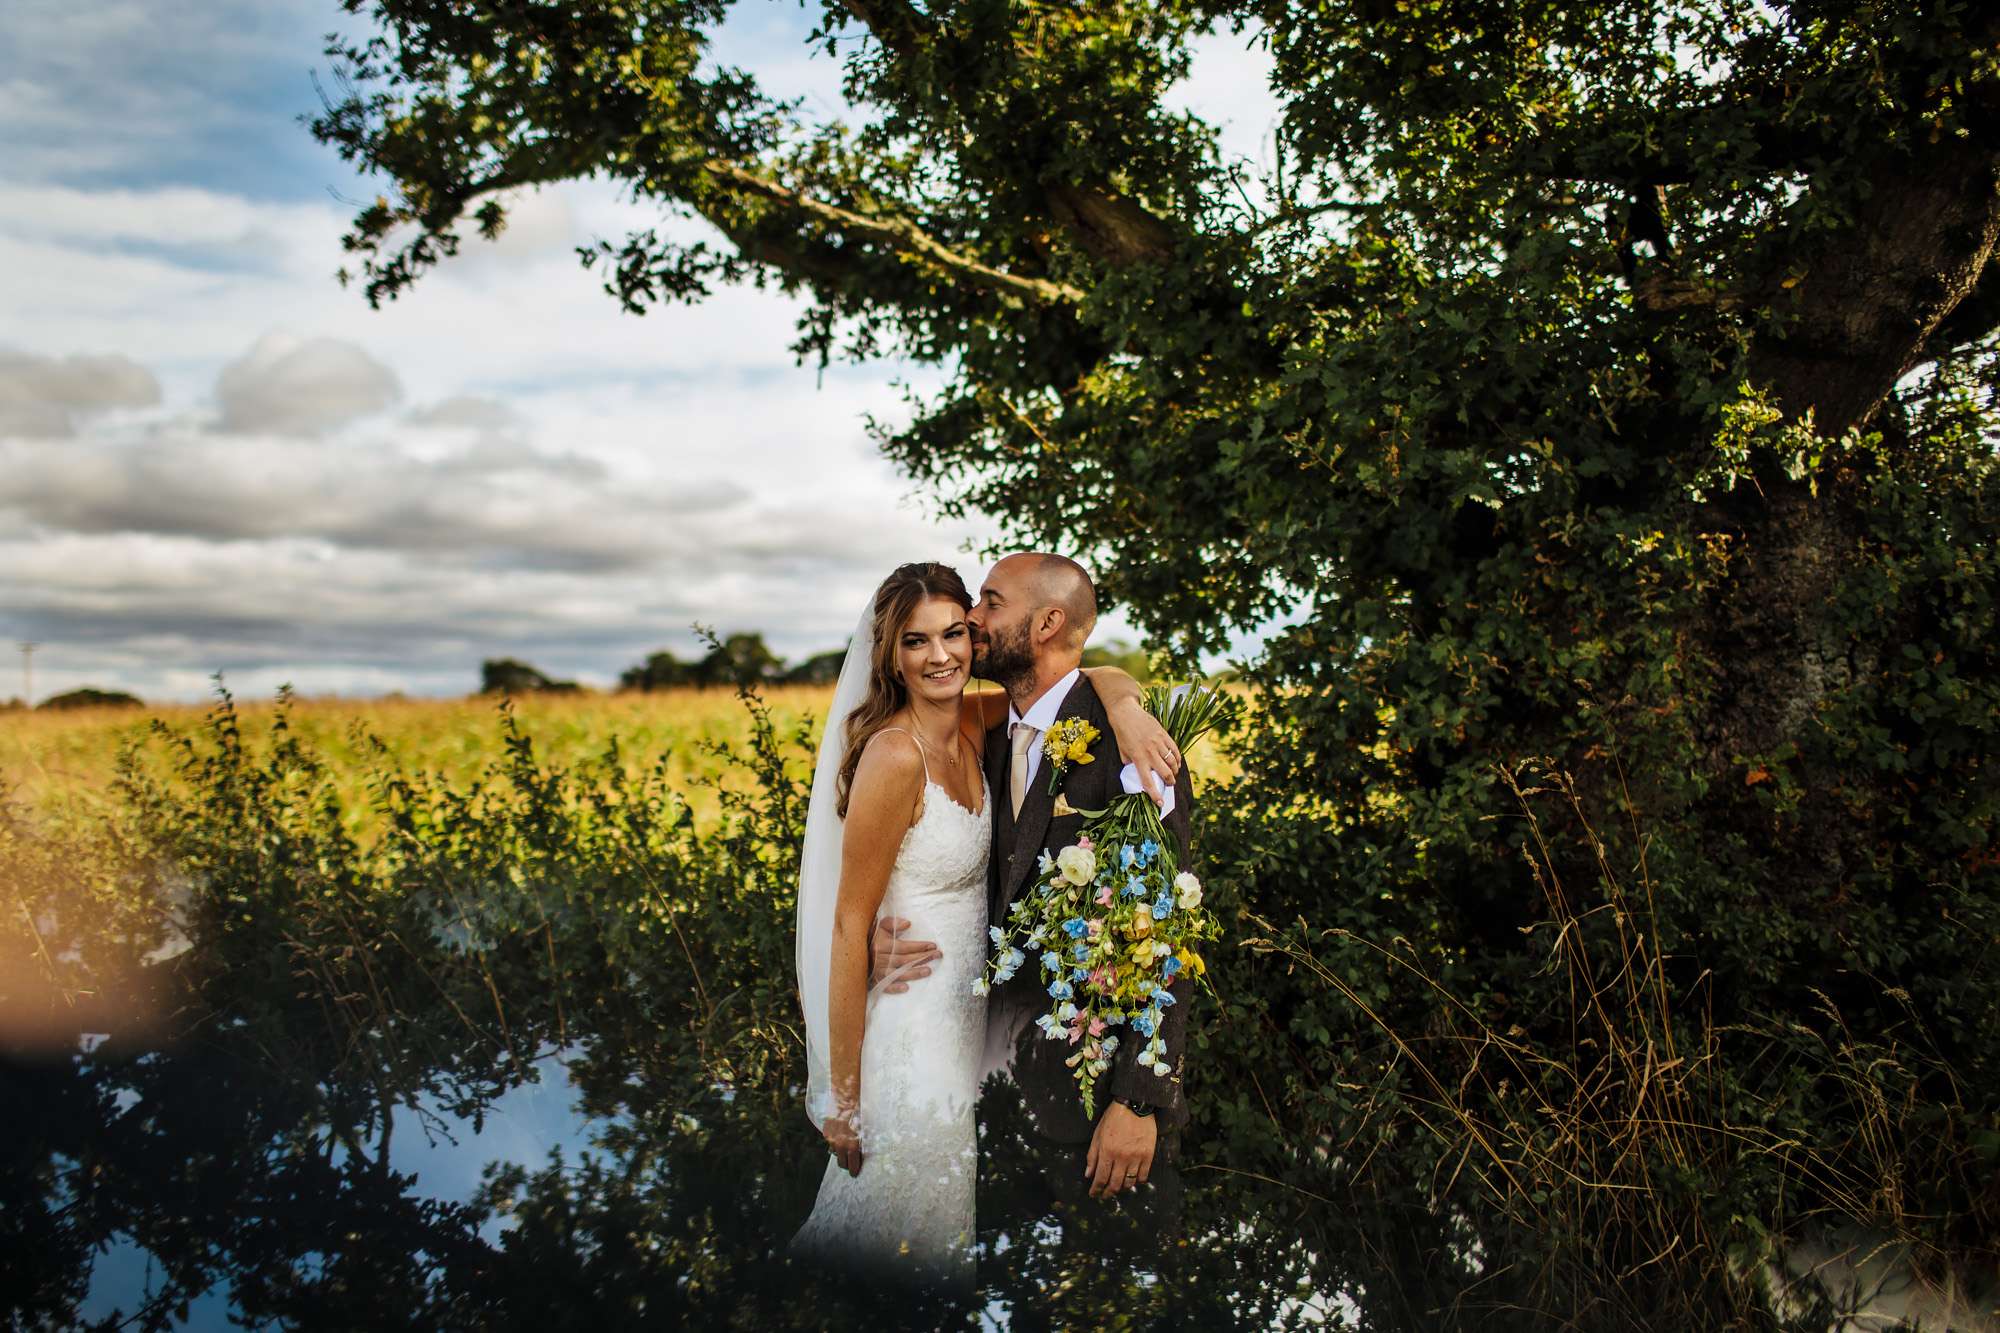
894,960
1121,1151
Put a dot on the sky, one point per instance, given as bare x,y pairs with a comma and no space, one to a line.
215,459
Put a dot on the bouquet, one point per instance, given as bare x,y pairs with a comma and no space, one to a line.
1114,918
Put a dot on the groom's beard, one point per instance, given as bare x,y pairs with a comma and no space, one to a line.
1007,659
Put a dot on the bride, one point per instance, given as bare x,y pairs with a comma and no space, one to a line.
898,826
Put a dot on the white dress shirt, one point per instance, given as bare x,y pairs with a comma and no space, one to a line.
1042,715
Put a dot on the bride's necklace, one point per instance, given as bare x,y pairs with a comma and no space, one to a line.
950,752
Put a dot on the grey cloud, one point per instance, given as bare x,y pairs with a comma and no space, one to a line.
510,453
497,504
301,387
45,396
466,410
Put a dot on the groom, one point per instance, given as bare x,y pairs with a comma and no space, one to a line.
1116,1174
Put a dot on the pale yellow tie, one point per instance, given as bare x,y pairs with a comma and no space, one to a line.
1023,737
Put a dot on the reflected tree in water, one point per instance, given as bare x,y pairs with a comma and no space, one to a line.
224,1009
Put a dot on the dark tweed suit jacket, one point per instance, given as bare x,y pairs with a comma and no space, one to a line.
1048,1087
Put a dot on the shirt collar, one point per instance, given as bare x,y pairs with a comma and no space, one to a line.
1043,715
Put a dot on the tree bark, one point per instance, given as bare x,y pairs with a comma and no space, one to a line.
1869,298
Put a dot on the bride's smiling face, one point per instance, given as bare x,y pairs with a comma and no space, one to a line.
934,650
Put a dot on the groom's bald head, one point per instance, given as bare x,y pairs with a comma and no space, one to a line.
1061,582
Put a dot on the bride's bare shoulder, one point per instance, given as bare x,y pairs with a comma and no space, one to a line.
890,757
888,777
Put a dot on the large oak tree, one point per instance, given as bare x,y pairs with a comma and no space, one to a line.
1600,396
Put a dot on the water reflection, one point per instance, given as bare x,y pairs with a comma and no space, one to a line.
444,1157
525,1056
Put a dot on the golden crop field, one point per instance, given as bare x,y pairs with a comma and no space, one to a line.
59,767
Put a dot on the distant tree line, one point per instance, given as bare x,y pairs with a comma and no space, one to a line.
737,657
740,657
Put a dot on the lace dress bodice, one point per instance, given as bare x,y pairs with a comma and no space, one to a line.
909,1214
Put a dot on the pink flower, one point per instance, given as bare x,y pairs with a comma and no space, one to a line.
1084,842
1096,1027
1095,927
1103,898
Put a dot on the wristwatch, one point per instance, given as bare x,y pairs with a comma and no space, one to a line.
1140,1109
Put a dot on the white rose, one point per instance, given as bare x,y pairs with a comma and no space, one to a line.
1078,864
1189,889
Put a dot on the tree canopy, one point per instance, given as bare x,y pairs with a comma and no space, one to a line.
1601,396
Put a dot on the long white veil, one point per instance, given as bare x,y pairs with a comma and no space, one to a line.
819,865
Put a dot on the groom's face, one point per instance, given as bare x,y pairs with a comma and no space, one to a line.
1000,620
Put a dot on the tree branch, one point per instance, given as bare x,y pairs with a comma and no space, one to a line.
1867,300
898,234
1973,318
1779,148
1109,225
896,25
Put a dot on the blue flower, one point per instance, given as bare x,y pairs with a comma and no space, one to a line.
1075,927
1079,974
1146,1021
1134,888
1163,906
997,935
1109,1045
1080,950
1163,997
1126,856
1046,863
1060,989
1148,850
1051,961
1050,1028
1171,966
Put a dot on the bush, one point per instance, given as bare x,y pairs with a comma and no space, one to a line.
88,697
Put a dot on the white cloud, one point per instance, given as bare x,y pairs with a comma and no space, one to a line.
300,387
43,396
183,295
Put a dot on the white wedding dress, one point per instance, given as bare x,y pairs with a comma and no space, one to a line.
909,1215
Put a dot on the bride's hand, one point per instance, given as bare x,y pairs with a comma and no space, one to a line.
843,1141
1145,744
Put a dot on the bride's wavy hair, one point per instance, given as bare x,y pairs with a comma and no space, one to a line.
908,588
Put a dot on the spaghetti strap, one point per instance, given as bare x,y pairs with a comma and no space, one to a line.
923,753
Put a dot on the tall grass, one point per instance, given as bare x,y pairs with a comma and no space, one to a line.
1632,1177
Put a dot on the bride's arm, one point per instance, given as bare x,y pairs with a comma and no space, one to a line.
978,713
1140,738
887,783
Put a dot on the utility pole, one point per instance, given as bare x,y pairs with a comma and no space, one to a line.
28,672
